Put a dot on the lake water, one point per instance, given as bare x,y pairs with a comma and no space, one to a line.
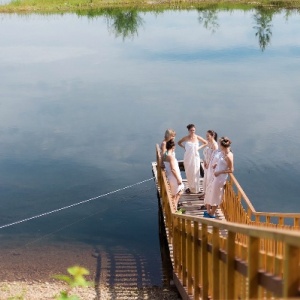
84,100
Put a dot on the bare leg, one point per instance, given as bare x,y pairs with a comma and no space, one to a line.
177,197
174,201
208,207
213,210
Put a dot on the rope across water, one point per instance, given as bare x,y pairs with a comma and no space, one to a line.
75,204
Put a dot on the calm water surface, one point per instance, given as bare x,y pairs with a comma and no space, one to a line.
83,103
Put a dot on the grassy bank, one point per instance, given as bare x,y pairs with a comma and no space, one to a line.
87,6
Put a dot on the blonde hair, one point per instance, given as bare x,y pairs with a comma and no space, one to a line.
169,133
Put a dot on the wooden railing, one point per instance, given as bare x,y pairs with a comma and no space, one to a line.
211,264
237,208
238,259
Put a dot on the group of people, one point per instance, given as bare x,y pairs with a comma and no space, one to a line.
217,161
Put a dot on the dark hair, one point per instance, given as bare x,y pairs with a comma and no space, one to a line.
213,134
170,144
190,126
225,141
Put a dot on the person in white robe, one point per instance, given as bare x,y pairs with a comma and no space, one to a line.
192,143
173,173
222,166
208,151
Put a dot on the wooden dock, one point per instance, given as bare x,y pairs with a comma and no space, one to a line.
242,254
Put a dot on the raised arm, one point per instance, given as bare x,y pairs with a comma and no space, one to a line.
229,159
182,141
202,140
163,147
230,169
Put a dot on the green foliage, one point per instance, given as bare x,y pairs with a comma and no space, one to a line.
76,279
19,296
64,296
89,6
16,2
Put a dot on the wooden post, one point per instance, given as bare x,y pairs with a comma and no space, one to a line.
179,248
204,260
216,264
196,261
176,244
253,266
183,251
230,265
291,271
296,223
189,259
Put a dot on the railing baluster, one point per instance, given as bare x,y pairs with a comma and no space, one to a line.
204,264
253,266
215,263
196,260
183,245
230,249
189,258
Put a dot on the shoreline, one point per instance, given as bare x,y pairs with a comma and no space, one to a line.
27,273
98,7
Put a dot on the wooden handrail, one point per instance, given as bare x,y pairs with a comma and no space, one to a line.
238,208
243,194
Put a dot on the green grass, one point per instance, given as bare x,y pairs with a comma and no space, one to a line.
86,7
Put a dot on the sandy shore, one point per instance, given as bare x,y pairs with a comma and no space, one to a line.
46,290
27,273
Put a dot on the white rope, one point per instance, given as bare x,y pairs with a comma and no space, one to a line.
72,205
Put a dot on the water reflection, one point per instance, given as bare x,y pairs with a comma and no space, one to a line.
126,23
122,23
263,19
209,19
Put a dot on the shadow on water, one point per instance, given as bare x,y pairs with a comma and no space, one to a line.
164,249
125,23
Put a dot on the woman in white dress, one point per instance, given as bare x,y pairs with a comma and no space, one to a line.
211,137
173,172
215,186
191,158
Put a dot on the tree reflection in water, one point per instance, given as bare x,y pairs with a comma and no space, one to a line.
123,23
209,19
126,22
263,19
